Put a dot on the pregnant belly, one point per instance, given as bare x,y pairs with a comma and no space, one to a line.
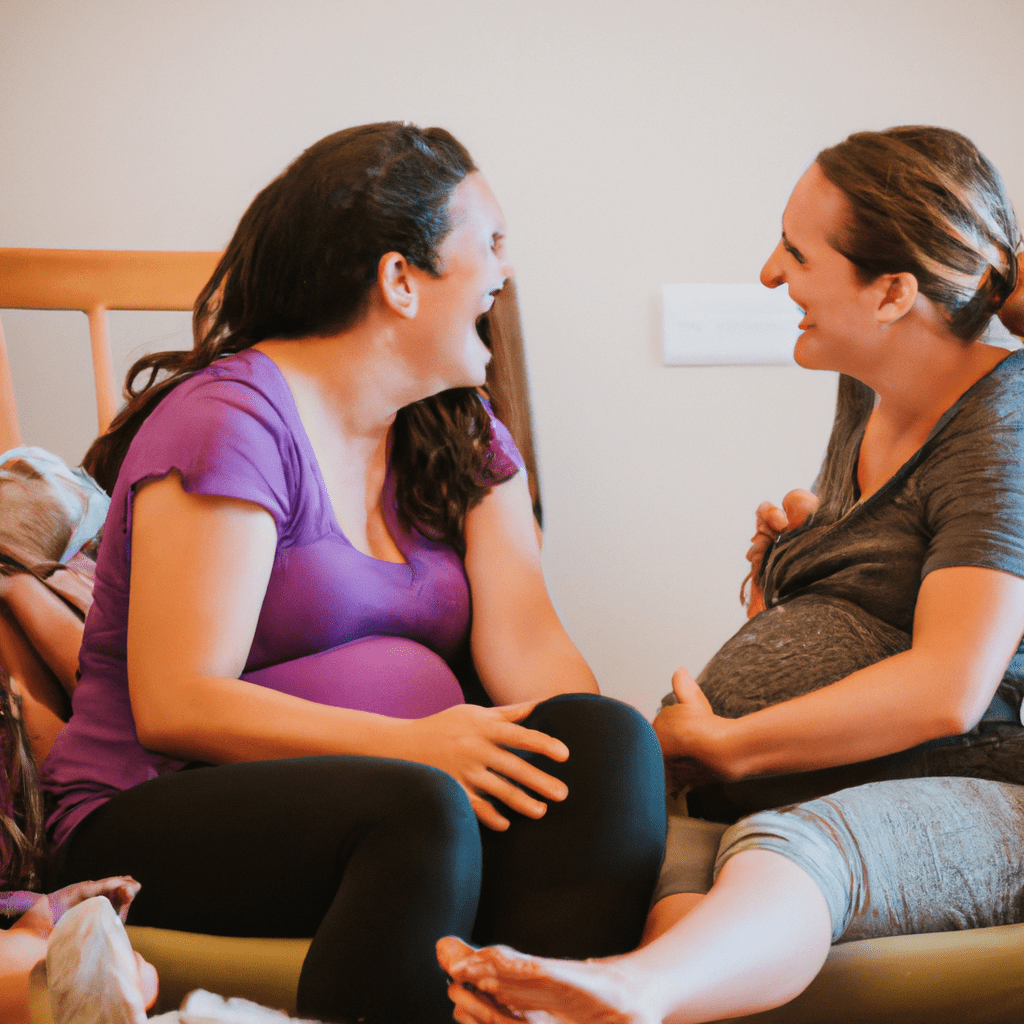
388,675
794,648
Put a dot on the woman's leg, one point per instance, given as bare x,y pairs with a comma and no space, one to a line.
374,858
889,858
687,874
756,940
578,881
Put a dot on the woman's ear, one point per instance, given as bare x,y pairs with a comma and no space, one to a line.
397,285
898,293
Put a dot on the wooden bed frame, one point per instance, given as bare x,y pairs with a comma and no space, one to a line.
969,977
94,281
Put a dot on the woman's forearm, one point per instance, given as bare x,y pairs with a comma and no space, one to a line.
220,721
52,628
520,647
542,665
967,627
880,710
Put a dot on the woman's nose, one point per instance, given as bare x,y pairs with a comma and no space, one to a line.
771,272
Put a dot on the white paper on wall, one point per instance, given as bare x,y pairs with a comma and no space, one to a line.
728,324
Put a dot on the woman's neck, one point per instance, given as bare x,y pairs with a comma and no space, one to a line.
913,395
344,379
347,398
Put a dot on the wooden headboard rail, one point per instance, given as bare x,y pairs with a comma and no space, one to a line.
93,281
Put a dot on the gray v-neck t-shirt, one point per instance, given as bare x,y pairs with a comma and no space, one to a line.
841,594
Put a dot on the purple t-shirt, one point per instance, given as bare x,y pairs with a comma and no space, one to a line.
386,629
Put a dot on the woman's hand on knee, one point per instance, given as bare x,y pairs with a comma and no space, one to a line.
475,745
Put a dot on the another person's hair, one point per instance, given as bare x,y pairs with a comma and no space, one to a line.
302,263
22,839
924,200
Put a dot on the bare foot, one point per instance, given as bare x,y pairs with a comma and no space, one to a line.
538,990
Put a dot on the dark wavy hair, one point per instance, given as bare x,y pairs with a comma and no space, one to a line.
302,263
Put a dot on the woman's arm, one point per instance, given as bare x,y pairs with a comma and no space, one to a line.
520,647
199,571
967,626
44,705
52,628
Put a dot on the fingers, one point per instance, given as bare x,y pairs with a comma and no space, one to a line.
451,951
687,691
799,506
475,1007
486,813
771,519
471,1006
504,782
120,890
522,773
483,748
531,739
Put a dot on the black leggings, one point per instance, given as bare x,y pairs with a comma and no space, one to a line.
378,858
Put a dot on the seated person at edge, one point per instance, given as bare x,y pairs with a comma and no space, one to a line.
89,958
888,657
270,733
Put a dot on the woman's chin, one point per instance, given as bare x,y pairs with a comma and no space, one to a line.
806,354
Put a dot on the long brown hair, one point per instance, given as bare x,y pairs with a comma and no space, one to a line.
301,263
22,831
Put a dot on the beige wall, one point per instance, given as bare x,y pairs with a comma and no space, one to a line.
632,143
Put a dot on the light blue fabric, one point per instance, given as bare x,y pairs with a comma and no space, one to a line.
84,502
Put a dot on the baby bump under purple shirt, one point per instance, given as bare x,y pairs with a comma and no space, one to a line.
337,626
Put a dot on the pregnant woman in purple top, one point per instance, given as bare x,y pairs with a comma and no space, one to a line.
320,538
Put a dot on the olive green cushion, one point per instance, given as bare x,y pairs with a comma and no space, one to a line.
263,970
969,977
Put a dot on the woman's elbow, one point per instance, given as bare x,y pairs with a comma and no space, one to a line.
156,724
960,712
153,734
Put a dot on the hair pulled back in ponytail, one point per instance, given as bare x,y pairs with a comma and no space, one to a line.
924,200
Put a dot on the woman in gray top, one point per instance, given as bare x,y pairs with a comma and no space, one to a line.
885,643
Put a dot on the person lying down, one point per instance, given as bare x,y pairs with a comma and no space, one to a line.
78,934
68,960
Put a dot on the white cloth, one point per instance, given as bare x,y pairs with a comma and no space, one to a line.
202,1007
91,970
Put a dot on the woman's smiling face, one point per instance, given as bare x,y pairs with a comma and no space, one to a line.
840,325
